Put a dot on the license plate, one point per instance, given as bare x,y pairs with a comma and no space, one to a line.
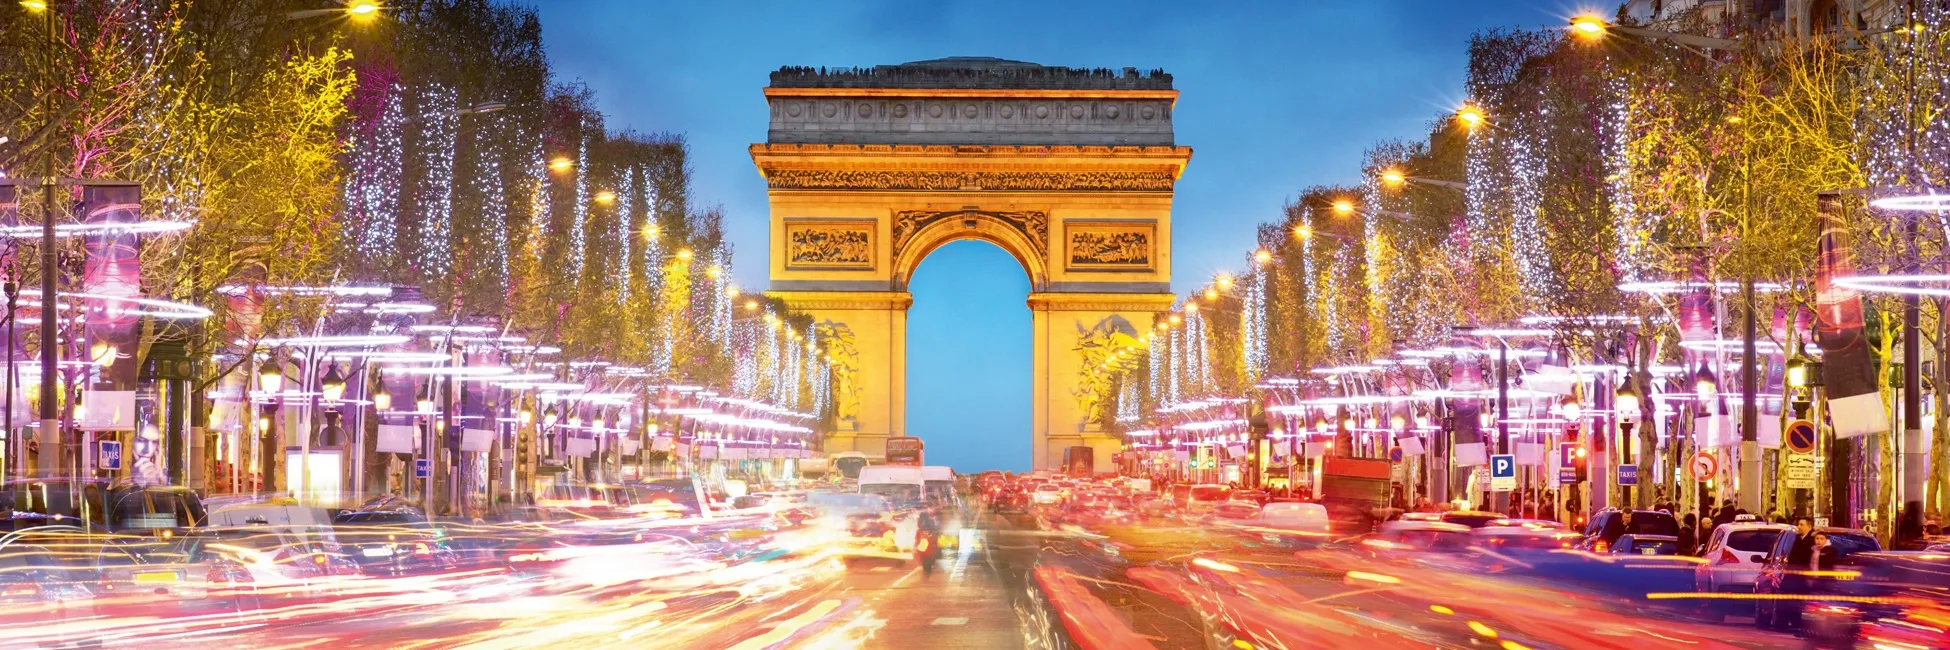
150,578
379,551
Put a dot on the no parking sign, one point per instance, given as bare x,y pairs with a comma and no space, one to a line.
1799,436
1703,466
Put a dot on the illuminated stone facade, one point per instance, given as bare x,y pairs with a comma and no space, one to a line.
1068,170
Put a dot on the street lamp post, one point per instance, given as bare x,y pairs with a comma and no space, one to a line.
270,380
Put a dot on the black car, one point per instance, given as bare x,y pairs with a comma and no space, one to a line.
1787,572
1609,524
1646,545
393,542
1880,602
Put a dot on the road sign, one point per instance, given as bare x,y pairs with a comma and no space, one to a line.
1567,459
422,467
1799,436
111,454
1503,472
1703,466
1395,455
1628,475
1801,471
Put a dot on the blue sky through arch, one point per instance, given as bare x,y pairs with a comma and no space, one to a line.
968,362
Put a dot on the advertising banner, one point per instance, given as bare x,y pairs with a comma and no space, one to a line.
1847,366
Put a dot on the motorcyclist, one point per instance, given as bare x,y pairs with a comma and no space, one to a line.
927,540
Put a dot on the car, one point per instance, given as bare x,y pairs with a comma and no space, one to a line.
1258,497
1236,510
1537,524
1879,603
1734,555
392,542
1607,525
1516,539
1311,517
1471,518
1418,537
1047,494
1633,544
43,591
1781,573
1205,498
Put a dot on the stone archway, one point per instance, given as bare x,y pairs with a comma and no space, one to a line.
1070,171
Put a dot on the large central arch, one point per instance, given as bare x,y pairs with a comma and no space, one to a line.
1070,171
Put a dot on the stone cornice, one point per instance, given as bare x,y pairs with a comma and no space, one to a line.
999,150
1124,302
973,93
843,300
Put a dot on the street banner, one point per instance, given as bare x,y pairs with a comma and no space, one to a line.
1530,454
476,439
112,269
1411,445
395,439
1316,449
1470,454
1848,371
1715,431
707,452
107,410
662,443
1556,380
1769,431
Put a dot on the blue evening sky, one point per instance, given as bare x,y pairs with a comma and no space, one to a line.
1274,96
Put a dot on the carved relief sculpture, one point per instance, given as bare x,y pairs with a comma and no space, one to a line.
1033,225
835,179
828,245
1109,246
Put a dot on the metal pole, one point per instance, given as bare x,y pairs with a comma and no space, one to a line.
1500,500
1750,488
50,432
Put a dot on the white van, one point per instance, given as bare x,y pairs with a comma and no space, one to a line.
902,485
939,482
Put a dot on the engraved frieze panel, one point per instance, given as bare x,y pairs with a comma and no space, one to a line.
1109,245
944,180
829,245
1034,225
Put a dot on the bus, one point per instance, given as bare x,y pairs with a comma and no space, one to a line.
849,463
904,450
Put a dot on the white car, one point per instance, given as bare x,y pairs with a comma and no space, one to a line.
1311,517
1734,556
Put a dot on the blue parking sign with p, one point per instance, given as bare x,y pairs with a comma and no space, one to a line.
1503,472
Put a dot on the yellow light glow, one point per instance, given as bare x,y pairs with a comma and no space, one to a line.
714,272
1262,256
1343,206
34,5
1224,282
652,232
1211,293
684,254
382,401
362,8
751,305
605,197
1176,320
1733,119
561,164
1441,610
1191,306
1303,232
1161,327
426,406
1470,116
1588,26
1482,629
1373,577
1215,565
1393,177
731,293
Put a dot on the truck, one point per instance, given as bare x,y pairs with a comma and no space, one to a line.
904,450
902,486
1353,489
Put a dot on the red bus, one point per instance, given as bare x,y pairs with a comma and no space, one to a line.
904,450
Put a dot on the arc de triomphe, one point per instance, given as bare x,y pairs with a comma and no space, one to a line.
1069,170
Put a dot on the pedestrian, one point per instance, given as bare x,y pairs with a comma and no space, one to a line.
1909,529
1549,511
1688,535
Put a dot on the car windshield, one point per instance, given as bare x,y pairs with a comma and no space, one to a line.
1655,547
1435,540
899,494
141,509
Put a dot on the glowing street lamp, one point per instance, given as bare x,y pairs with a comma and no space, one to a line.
605,197
1262,256
1704,384
333,385
1470,116
1303,232
34,5
1343,207
1393,177
561,164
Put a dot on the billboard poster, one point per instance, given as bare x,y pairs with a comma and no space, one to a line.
1847,365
